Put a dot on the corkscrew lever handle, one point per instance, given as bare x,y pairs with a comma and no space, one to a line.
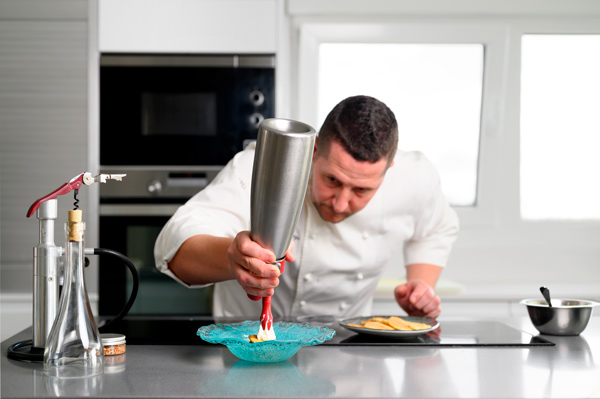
74,184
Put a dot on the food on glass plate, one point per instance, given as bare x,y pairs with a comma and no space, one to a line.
390,323
254,339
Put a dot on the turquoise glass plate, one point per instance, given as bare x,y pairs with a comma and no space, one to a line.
290,338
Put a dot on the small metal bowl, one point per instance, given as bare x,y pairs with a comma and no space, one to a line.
565,317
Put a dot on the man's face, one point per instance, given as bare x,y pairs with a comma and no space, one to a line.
341,185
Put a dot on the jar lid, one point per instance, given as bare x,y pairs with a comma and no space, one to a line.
112,339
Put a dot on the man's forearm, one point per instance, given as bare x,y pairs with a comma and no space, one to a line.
424,271
202,259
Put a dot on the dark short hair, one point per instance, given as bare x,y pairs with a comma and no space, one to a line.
364,126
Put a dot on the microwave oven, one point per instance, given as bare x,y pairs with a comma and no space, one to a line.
166,109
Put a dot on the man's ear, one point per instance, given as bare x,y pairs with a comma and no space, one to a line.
315,148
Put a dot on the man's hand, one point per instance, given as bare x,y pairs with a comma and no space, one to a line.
253,266
417,298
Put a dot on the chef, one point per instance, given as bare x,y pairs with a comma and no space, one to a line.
365,199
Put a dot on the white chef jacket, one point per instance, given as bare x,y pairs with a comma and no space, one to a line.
338,265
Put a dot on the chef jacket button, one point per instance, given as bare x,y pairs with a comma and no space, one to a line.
360,276
343,305
302,303
365,235
311,236
308,277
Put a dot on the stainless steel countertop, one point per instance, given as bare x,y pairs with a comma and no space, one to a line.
570,369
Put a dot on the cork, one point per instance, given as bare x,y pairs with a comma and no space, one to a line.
75,225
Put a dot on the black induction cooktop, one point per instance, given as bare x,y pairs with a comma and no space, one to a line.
182,331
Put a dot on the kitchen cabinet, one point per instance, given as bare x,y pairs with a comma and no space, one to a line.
43,121
188,26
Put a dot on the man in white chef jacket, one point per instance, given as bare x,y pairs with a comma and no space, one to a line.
364,200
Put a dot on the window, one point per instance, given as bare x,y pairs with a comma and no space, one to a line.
433,89
560,127
444,82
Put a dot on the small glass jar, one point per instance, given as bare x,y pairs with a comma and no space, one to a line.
114,344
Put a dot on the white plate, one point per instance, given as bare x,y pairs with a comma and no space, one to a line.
389,333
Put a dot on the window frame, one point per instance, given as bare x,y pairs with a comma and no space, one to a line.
491,36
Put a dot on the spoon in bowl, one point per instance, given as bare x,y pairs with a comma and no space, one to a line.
546,293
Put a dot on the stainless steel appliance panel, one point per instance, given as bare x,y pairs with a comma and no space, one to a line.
166,109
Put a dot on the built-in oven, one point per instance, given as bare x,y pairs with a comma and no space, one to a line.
131,217
170,122
165,109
